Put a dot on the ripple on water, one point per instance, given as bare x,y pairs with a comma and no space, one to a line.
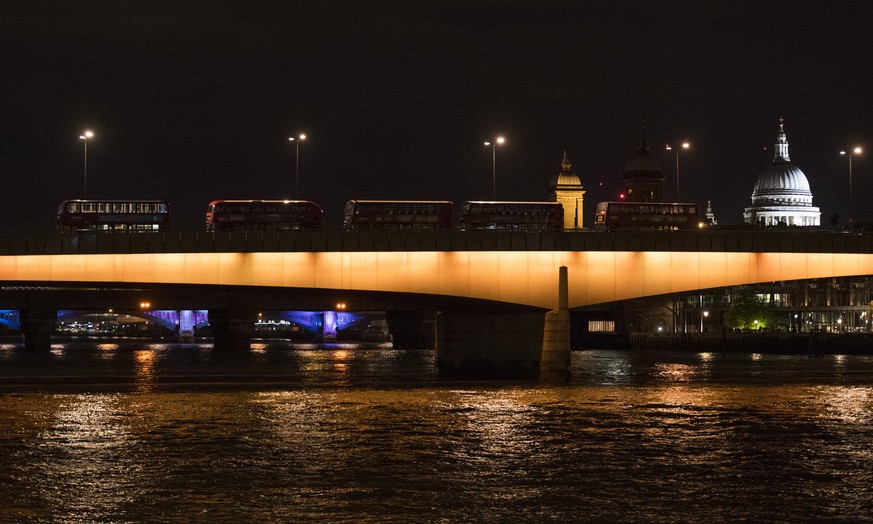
134,434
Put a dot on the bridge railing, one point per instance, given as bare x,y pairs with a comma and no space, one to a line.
740,240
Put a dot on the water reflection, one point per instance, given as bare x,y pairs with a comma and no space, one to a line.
342,433
848,404
673,372
145,372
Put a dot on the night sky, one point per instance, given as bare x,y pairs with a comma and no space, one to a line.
195,100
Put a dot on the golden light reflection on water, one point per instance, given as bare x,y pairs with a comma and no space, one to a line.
495,423
848,404
292,417
106,351
443,452
88,438
340,359
678,372
87,420
144,370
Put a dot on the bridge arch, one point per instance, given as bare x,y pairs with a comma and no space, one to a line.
10,318
523,278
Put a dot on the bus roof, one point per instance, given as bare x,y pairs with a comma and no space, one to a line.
510,202
399,202
244,201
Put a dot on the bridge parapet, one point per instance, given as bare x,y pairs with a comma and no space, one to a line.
731,240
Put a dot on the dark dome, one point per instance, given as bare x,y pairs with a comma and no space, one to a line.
642,164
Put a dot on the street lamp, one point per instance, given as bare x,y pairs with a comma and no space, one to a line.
85,137
499,140
850,154
686,146
300,138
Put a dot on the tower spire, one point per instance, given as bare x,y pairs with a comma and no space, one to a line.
565,163
643,133
780,155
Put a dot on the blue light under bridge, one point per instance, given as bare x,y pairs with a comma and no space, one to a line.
186,321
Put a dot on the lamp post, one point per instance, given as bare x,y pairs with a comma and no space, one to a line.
686,146
493,144
850,154
84,137
299,138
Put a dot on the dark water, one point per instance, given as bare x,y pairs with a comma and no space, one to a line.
344,434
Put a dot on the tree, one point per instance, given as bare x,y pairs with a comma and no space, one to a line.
747,311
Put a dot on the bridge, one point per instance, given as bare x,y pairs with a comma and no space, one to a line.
483,276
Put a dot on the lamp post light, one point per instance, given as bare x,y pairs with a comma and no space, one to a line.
499,140
705,315
686,146
850,154
84,137
299,138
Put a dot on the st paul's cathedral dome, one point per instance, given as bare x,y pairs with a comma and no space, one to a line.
781,195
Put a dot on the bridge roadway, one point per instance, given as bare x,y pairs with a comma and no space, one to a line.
502,267
491,287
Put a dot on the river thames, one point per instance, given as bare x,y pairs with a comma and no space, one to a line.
138,432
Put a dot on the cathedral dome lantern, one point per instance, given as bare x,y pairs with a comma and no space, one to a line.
566,188
781,195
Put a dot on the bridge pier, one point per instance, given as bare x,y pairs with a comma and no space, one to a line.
232,328
411,329
555,357
489,344
38,326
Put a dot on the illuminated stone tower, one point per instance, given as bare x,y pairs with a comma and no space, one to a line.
643,179
566,188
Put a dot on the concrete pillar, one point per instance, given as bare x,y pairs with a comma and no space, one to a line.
555,356
411,329
328,326
232,328
37,324
186,325
502,345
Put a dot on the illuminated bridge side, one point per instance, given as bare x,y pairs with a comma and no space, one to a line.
484,293
527,278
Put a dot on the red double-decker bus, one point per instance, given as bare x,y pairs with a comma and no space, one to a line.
364,215
512,216
257,215
114,215
664,216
